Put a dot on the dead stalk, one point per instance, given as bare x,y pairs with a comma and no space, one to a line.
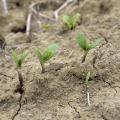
61,8
88,98
33,12
5,7
41,15
28,23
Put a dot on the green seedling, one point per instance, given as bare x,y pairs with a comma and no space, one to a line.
50,51
19,60
71,22
87,91
87,78
86,45
46,26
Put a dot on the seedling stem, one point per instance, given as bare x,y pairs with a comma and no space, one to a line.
84,56
43,68
86,45
87,91
19,60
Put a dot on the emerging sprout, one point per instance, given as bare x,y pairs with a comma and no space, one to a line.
19,60
46,55
46,26
87,90
86,45
87,78
71,22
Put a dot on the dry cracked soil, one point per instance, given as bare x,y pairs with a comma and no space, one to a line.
60,93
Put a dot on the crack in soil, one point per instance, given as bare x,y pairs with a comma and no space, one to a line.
113,87
17,112
102,78
75,109
94,62
20,90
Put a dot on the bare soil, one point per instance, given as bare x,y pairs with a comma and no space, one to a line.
60,93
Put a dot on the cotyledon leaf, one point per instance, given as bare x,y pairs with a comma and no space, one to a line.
50,52
81,39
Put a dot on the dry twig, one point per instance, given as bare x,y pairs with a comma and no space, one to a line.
5,7
33,12
62,7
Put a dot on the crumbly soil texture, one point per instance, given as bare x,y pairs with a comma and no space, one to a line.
60,92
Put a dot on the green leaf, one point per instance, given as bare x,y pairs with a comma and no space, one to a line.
15,57
46,26
95,44
39,55
87,78
82,41
68,20
19,58
50,52
22,57
85,43
76,19
71,22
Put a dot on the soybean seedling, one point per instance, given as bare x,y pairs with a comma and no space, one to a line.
87,82
46,26
19,60
86,44
50,51
71,22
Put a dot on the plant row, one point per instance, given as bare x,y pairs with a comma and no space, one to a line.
84,43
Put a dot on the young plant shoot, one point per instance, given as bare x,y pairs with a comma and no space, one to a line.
86,45
87,82
19,60
46,26
50,51
71,22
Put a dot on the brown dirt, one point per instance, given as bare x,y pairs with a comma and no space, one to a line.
60,93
